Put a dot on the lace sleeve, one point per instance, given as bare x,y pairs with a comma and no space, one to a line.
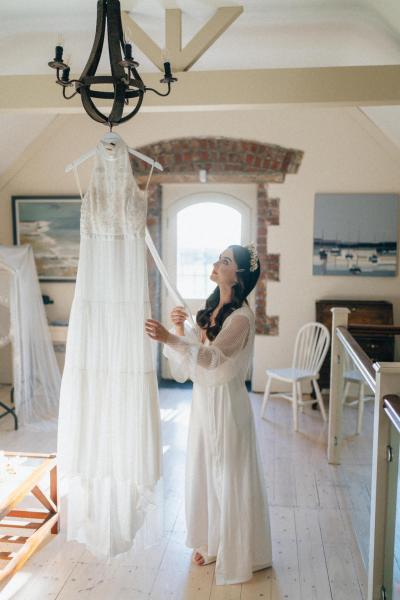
216,363
179,368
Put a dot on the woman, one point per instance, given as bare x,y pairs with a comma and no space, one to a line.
225,495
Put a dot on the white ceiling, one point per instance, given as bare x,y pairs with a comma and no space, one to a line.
268,34
17,132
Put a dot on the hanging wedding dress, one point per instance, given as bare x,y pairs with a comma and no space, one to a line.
225,494
109,443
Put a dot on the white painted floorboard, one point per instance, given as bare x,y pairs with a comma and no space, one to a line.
315,552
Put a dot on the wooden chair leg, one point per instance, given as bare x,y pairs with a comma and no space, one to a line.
300,396
319,398
346,391
360,411
294,403
266,395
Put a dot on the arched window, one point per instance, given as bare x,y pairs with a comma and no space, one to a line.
197,227
203,230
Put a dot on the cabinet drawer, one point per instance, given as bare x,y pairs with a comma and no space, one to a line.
379,313
378,349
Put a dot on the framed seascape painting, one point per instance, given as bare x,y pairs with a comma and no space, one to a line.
356,234
50,224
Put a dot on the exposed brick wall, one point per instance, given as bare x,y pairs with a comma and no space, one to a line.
267,215
225,160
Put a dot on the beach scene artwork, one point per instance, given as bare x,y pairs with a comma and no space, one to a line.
51,227
356,235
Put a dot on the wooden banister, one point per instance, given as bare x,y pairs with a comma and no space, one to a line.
373,329
358,356
391,406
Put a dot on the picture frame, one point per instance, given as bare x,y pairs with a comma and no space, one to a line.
51,225
356,234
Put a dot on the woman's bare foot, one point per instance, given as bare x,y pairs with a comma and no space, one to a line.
198,559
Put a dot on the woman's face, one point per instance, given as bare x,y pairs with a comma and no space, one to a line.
224,271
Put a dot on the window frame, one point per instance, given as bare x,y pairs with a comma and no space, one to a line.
199,198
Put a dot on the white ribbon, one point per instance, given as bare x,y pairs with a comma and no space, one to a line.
164,274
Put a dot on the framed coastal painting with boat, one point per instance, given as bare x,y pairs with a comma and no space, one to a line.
50,224
355,234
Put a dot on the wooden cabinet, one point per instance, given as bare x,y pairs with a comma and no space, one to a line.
379,312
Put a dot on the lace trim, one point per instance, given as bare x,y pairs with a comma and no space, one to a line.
91,301
109,371
113,207
140,233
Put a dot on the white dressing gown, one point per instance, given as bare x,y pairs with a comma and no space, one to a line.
225,492
109,441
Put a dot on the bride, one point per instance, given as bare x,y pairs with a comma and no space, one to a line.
226,506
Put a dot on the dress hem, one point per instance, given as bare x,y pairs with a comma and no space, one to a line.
223,581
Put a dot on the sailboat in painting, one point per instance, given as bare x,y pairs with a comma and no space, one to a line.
357,235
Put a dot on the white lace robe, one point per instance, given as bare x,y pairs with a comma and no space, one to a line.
226,500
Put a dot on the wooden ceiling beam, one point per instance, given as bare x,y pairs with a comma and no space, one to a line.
224,90
180,59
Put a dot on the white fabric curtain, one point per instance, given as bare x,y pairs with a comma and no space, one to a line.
36,376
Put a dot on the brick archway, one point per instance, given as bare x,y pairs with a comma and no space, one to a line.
227,160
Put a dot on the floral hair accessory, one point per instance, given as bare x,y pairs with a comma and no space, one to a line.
253,256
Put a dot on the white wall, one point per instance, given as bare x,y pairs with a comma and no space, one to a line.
344,152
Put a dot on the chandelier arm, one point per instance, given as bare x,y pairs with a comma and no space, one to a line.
71,96
136,78
90,107
114,33
110,95
150,89
134,111
94,79
95,53
92,64
118,104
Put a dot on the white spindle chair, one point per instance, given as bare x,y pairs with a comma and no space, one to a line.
311,346
351,375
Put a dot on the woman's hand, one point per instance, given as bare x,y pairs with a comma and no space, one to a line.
178,315
156,331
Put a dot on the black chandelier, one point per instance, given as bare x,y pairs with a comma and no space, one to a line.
124,77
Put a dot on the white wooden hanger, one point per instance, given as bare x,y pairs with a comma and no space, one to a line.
112,138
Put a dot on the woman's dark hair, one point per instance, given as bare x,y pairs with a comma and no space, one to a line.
246,281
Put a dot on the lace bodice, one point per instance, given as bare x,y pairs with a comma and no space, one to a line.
113,206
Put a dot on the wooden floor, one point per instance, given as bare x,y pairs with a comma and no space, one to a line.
315,553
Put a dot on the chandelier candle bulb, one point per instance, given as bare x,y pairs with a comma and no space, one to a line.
167,70
65,75
128,50
57,62
59,53
168,77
